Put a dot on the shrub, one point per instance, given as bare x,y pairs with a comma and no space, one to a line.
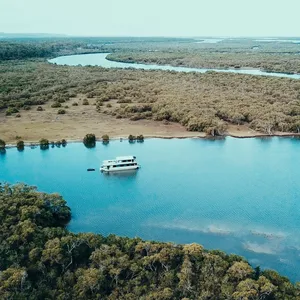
18,105
125,100
61,111
89,140
63,142
2,144
44,144
108,105
105,139
18,115
55,105
85,102
20,145
131,138
140,138
57,143
217,130
136,117
26,107
74,104
90,95
66,106
11,110
39,108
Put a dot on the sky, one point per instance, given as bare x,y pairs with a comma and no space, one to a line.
181,18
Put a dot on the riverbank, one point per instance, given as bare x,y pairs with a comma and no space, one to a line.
262,62
77,122
73,126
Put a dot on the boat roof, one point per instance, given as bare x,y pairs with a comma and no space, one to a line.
129,157
125,157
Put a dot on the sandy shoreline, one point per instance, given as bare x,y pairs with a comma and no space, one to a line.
175,135
34,125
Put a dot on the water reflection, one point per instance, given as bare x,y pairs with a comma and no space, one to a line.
121,174
265,139
216,138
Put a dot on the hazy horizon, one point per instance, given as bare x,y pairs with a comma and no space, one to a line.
133,18
50,34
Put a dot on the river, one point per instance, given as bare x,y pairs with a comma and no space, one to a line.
237,195
99,59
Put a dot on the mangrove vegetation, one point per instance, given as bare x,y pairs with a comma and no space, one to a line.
201,102
41,259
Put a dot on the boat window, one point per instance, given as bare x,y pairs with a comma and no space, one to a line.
114,166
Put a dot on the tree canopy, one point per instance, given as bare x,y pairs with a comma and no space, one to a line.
41,259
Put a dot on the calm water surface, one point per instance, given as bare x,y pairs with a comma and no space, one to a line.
238,195
99,59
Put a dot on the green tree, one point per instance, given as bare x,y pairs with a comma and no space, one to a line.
89,140
20,145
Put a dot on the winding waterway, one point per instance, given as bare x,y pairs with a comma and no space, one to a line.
238,195
99,59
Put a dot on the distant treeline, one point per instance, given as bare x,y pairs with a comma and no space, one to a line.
22,47
15,50
41,259
10,50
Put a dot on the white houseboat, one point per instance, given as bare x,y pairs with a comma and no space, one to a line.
120,163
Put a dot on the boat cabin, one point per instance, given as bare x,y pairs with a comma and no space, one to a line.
120,163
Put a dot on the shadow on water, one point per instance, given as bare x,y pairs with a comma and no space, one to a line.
44,147
216,138
90,145
265,139
121,174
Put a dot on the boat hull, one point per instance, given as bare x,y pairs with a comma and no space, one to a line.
119,169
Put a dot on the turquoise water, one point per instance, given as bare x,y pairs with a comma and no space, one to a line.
99,59
238,195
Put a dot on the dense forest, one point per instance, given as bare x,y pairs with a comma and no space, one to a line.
41,259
